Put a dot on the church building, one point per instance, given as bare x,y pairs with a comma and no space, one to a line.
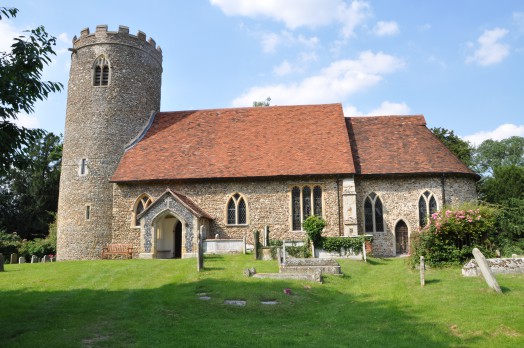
133,174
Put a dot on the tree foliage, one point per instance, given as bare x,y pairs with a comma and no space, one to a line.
21,86
29,188
492,154
266,102
460,148
507,182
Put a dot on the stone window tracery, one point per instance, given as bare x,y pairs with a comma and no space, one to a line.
236,210
141,204
373,214
305,201
101,71
427,206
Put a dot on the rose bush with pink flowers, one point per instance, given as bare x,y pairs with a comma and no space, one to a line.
452,233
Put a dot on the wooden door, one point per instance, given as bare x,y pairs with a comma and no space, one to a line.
401,236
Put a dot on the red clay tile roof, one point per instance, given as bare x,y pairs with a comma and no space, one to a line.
399,145
241,142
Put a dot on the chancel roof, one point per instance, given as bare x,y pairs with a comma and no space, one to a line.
273,141
399,145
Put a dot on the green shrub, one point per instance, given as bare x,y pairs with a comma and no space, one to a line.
38,247
9,243
335,244
301,251
451,235
314,225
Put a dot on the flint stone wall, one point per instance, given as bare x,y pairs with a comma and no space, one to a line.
400,195
498,266
268,203
100,121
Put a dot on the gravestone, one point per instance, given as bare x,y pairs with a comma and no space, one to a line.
284,251
256,237
14,258
486,271
244,245
21,259
46,258
200,251
34,259
266,235
2,262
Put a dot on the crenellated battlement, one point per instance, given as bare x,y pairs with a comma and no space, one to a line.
103,34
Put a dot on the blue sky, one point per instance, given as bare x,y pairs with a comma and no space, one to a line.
459,63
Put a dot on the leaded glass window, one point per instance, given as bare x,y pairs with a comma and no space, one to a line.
306,202
422,212
317,201
368,215
242,213
231,212
236,210
427,206
141,204
379,219
432,205
295,206
101,71
373,214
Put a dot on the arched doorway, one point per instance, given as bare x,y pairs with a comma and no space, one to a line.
168,237
401,237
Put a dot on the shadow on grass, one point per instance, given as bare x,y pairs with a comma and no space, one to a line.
160,317
432,281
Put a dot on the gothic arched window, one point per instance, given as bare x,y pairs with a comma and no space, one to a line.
373,214
427,206
304,203
140,205
101,71
236,210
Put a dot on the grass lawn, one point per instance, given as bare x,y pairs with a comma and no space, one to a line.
155,303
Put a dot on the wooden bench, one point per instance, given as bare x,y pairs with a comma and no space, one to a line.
118,249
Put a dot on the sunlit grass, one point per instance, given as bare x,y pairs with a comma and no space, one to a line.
155,303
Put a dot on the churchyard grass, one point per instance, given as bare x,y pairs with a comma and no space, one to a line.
155,303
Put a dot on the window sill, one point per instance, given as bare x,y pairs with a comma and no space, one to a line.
239,225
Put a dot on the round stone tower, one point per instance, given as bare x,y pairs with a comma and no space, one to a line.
114,86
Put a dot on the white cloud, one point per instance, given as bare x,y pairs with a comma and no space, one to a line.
518,20
435,60
490,51
283,69
424,27
7,33
270,41
386,108
27,121
386,28
298,13
333,83
502,132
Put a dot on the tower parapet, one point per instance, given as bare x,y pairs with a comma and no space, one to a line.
114,85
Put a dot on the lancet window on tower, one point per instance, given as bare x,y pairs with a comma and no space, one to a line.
101,71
